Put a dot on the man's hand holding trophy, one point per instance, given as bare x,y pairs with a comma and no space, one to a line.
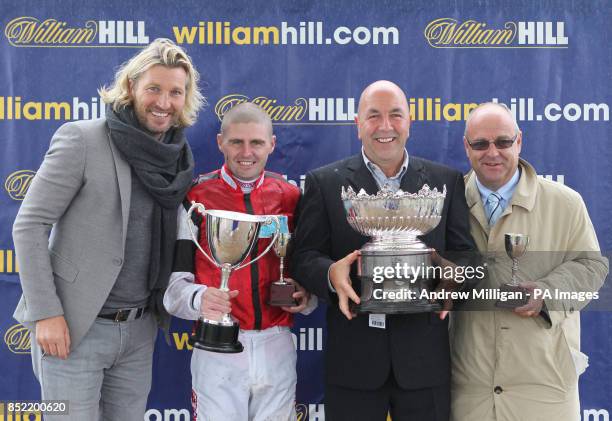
231,237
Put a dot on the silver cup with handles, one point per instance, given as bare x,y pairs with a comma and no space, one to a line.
231,237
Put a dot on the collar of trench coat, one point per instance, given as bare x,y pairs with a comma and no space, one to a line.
524,195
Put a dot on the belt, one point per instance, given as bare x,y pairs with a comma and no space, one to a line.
125,314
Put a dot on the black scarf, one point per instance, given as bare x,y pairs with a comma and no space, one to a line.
166,171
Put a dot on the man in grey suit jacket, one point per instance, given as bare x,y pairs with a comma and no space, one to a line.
107,192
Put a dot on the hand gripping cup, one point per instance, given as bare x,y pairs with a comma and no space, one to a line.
393,220
231,237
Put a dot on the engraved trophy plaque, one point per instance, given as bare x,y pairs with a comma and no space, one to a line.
231,237
516,246
393,220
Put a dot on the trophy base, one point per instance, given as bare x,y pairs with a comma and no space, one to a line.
281,294
395,295
216,337
412,307
512,303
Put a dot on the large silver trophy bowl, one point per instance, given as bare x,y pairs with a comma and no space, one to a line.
394,220
231,237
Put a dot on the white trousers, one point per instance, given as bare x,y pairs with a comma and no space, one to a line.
257,384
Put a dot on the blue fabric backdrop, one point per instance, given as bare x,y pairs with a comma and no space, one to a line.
306,63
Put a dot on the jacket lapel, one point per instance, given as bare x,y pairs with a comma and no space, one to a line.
359,177
474,202
124,181
415,176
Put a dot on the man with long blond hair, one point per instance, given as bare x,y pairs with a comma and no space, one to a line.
107,192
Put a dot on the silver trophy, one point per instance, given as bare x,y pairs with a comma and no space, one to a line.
393,220
231,237
516,246
281,291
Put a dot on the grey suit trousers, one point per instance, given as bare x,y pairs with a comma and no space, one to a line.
106,377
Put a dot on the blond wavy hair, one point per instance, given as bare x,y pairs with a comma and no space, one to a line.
161,51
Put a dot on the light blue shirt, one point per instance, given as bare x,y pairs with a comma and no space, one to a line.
506,191
382,180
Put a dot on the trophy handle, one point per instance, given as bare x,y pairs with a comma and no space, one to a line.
276,232
200,207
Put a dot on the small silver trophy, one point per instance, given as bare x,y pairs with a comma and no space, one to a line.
281,291
394,220
516,246
231,237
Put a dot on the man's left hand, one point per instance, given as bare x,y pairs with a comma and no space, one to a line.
301,296
533,306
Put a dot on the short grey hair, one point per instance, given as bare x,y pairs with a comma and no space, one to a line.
247,112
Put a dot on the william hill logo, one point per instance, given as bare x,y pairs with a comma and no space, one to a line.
451,33
301,112
310,412
307,339
27,31
277,112
17,183
17,339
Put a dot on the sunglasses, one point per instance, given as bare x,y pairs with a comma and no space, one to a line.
500,143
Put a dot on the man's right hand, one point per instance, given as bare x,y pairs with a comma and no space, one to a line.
215,303
447,283
53,337
339,276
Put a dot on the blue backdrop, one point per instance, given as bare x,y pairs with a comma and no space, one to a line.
306,64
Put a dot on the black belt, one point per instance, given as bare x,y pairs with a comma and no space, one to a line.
125,314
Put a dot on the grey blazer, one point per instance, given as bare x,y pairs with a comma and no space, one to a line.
81,196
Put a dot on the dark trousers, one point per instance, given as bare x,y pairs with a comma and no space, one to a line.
346,404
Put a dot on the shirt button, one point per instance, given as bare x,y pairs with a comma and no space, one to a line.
117,261
498,390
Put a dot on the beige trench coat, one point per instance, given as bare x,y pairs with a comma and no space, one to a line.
509,368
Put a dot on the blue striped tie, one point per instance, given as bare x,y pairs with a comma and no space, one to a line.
493,208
